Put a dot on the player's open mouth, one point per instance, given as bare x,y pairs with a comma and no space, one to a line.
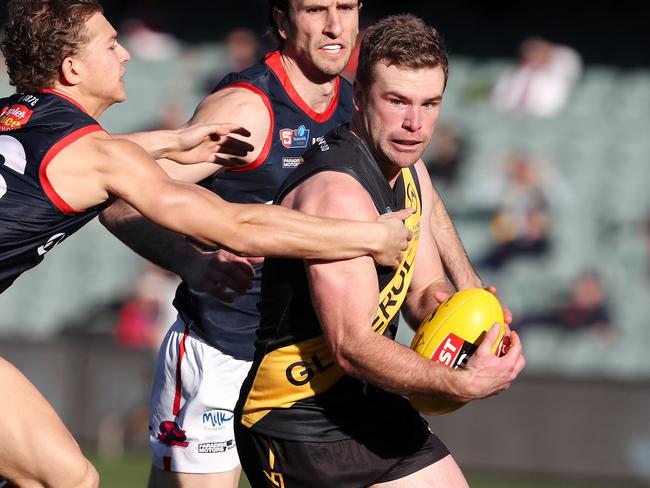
406,144
332,48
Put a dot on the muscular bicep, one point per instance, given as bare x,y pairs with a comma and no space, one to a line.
242,107
238,106
344,293
345,297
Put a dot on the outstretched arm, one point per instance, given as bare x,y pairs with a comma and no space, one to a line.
170,250
96,166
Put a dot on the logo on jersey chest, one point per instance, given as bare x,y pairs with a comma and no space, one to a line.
295,138
291,162
14,117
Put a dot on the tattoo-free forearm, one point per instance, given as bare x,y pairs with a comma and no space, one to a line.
452,253
157,143
165,248
420,303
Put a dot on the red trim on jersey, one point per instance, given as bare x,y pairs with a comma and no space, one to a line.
273,60
65,97
269,137
179,384
49,156
167,463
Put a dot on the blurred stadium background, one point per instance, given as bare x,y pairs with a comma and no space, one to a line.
580,415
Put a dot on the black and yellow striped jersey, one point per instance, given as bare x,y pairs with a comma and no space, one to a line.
294,389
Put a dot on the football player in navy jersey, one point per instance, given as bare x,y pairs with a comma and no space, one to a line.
58,170
287,101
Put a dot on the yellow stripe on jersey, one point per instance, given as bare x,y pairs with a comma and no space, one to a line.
393,294
299,371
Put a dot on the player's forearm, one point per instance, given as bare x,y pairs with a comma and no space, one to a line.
396,368
452,253
266,230
283,232
420,303
165,248
157,143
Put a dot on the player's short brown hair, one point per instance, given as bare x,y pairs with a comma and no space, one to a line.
400,40
39,35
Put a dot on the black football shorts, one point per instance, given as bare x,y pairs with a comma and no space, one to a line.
350,463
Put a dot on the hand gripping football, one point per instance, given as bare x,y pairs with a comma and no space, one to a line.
452,333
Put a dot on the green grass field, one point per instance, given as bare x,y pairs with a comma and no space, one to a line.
132,472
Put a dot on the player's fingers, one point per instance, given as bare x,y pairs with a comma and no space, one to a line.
258,260
492,289
490,339
515,345
236,278
507,316
441,296
400,214
234,144
519,365
218,291
514,338
227,128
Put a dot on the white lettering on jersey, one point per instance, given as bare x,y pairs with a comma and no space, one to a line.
12,155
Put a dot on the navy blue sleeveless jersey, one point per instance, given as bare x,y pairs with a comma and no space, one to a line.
34,128
294,127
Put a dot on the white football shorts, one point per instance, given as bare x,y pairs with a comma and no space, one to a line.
193,397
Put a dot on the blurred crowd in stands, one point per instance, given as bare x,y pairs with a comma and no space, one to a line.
523,196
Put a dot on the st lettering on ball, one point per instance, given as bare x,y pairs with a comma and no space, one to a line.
452,333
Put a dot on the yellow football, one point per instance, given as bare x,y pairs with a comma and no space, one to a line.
452,333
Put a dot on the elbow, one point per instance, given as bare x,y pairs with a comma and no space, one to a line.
117,215
344,364
344,357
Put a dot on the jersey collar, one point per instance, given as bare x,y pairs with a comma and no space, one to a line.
273,61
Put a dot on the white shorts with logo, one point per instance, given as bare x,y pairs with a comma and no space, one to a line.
193,397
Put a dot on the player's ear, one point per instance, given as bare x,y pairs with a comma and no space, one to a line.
282,21
358,96
70,71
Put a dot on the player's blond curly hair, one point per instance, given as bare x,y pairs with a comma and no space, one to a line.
401,40
39,35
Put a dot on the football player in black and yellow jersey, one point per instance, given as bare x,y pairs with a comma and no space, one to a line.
59,169
323,405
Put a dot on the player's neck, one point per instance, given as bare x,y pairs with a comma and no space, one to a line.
317,92
91,105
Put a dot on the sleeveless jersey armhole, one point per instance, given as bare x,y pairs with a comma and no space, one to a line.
266,149
58,202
